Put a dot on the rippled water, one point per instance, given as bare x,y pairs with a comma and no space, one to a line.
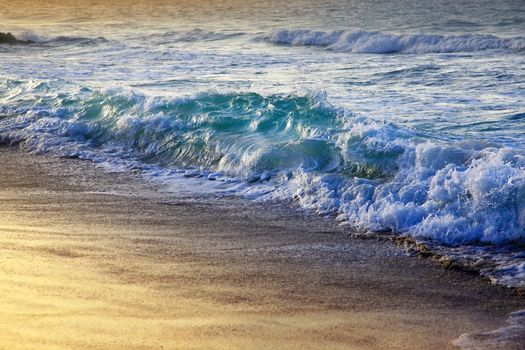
405,116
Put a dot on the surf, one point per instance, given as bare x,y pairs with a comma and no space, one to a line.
375,42
370,173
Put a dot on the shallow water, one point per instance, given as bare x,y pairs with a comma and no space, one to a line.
403,115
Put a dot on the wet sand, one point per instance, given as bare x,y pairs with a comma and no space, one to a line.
97,260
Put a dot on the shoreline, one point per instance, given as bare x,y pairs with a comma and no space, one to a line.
105,260
423,250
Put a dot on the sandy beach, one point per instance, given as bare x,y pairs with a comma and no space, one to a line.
98,260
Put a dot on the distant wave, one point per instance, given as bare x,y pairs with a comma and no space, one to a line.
60,40
194,35
361,41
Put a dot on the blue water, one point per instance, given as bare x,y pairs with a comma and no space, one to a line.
405,116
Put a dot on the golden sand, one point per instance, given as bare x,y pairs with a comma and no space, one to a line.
87,270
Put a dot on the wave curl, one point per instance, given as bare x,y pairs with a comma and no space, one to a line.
372,174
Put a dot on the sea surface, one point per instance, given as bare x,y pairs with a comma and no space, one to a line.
401,116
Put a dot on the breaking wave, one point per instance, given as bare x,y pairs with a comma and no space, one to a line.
372,174
361,41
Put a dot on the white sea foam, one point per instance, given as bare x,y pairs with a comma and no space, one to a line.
478,200
511,337
362,41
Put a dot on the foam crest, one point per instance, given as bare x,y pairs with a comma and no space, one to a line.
361,41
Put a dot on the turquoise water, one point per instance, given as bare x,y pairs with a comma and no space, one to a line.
401,116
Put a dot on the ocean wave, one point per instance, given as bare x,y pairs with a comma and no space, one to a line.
59,40
194,35
371,174
362,41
